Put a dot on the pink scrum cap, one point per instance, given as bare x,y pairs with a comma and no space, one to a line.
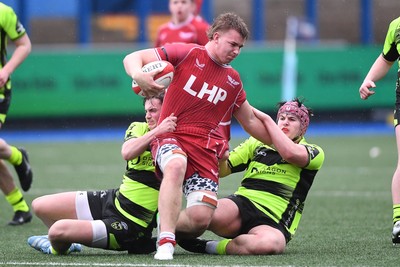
299,110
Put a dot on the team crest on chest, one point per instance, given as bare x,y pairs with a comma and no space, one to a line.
232,81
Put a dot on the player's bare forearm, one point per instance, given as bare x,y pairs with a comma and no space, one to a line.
134,147
290,151
378,70
251,123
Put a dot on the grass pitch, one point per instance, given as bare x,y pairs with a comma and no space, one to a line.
346,221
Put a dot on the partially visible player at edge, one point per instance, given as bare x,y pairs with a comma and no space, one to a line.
204,90
115,219
381,66
264,213
12,29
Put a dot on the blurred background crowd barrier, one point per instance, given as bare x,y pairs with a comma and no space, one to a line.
318,49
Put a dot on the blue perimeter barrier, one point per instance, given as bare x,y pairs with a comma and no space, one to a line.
115,134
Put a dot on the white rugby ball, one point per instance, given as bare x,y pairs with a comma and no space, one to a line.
164,77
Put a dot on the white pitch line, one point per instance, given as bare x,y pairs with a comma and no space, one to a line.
14,263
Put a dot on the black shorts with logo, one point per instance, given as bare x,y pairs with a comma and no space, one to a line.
123,234
252,217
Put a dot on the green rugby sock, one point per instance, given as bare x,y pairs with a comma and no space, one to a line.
16,156
221,246
17,201
396,213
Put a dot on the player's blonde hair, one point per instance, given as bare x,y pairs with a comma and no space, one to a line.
228,21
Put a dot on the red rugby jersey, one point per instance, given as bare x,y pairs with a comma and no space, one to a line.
202,92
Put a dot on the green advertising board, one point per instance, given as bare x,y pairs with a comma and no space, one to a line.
73,84
328,78
89,83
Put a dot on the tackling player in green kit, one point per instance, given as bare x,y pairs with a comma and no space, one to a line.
116,219
262,216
